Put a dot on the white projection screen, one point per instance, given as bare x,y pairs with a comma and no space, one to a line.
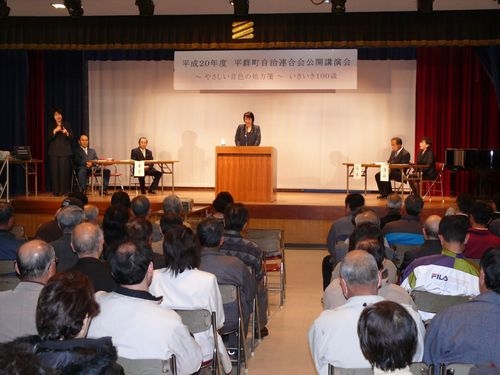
314,132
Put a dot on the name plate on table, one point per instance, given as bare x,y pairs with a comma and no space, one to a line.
357,172
384,172
139,168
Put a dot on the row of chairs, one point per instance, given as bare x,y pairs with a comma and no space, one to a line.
418,368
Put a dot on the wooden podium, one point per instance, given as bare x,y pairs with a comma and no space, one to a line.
247,172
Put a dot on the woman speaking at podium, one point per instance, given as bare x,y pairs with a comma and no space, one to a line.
247,134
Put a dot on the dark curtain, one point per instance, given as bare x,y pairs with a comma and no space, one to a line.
13,82
456,106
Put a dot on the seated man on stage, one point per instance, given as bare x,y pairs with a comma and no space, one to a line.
398,156
83,156
142,153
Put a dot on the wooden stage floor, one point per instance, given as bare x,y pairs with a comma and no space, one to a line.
305,216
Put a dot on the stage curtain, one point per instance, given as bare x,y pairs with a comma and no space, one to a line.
456,106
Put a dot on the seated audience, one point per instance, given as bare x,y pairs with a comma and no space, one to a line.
50,230
141,229
64,311
388,337
91,213
332,336
141,207
219,204
227,269
470,332
408,229
448,273
480,238
87,242
462,207
431,245
394,205
9,244
35,264
233,243
120,197
183,286
138,326
113,226
67,219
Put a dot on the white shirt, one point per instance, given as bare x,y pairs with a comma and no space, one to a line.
193,289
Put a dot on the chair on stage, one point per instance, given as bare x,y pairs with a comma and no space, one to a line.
148,366
230,295
433,187
201,320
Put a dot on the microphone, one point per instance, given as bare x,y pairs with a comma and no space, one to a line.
246,139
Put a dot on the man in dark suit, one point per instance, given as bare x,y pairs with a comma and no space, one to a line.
142,153
398,156
83,156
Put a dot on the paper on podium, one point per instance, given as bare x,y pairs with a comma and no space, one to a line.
384,172
139,168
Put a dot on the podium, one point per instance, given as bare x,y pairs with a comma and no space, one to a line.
247,172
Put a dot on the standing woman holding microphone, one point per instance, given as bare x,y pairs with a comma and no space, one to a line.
247,134
60,153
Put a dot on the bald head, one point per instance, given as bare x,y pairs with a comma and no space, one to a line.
35,261
431,227
87,240
359,274
366,215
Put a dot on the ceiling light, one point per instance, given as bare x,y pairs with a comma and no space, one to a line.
74,7
240,7
4,9
146,7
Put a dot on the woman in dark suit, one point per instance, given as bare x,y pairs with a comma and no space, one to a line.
425,157
60,153
247,134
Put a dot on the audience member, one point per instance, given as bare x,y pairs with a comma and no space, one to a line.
399,155
141,153
235,222
141,207
332,336
408,230
219,204
91,213
17,358
169,220
172,203
448,273
388,337
228,270
184,286
35,264
87,241
463,205
480,238
9,244
67,218
469,332
50,230
141,229
138,326
120,197
394,205
65,308
113,226
431,245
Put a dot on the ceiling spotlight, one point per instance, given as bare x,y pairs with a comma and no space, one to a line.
424,6
338,6
146,7
74,7
240,7
4,9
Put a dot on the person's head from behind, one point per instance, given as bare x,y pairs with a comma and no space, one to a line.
6,215
141,207
181,249
413,205
91,213
80,196
170,220
120,197
365,230
221,201
235,217
394,202
65,307
359,274
210,232
172,203
464,202
366,215
131,263
431,227
18,358
87,240
69,217
374,246
354,201
489,278
387,335
113,223
35,261
139,229
452,229
481,214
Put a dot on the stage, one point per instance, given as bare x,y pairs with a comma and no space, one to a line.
304,216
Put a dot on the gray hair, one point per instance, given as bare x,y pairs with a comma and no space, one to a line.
172,203
69,217
34,258
87,238
140,206
431,226
91,212
366,215
394,201
359,268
